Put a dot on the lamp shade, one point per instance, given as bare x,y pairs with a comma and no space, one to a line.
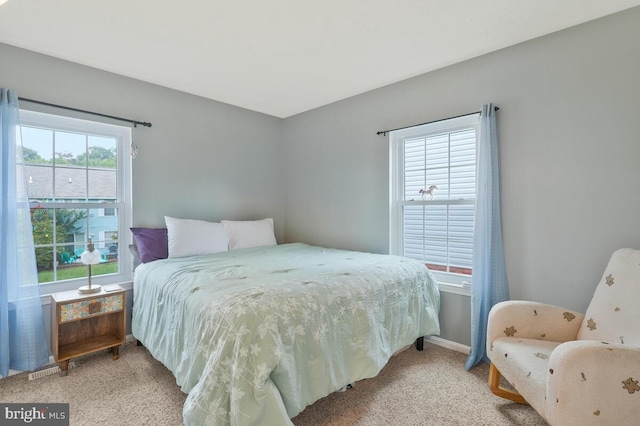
90,257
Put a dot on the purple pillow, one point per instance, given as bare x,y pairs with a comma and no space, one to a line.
152,243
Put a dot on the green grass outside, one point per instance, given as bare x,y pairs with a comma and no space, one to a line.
79,271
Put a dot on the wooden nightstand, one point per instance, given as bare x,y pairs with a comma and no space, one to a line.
86,323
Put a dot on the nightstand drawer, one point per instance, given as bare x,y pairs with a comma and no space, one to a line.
92,307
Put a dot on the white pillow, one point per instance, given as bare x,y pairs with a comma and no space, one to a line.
250,233
189,237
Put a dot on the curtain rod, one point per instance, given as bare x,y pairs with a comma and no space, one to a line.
128,120
384,132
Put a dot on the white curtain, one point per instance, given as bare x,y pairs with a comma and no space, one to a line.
23,340
490,284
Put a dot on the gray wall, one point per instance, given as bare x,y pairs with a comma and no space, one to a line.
201,159
568,129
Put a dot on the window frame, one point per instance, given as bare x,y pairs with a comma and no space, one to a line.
448,281
123,203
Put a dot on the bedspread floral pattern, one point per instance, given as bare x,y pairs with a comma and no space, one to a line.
272,341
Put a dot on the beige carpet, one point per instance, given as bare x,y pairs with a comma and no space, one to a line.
415,388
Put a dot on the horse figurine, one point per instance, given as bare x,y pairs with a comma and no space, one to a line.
425,192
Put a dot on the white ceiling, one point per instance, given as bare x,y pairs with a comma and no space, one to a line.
283,57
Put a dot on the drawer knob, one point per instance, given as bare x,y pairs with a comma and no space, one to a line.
95,307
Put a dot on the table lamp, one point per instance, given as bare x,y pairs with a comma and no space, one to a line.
89,257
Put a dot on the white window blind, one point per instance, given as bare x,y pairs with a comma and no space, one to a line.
439,231
437,227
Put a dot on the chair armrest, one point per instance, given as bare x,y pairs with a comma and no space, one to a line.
532,320
591,382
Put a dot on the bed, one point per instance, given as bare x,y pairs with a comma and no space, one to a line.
255,335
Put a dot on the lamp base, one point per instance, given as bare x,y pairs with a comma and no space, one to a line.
88,290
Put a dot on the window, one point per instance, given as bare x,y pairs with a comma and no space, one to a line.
78,179
433,184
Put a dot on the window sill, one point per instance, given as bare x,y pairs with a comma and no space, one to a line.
454,289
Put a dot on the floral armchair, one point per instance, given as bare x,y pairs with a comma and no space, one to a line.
574,369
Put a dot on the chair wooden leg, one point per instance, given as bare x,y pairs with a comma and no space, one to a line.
496,389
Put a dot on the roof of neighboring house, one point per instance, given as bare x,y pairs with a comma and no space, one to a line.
70,182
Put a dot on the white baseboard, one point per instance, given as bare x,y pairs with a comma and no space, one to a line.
454,346
438,341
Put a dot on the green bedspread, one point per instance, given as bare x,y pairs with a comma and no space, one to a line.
255,335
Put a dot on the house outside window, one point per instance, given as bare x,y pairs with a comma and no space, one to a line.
433,192
78,175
